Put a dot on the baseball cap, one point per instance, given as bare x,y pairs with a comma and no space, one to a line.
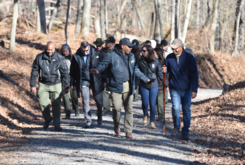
110,39
126,41
176,43
164,43
135,42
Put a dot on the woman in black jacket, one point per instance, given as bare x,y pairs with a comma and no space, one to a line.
151,67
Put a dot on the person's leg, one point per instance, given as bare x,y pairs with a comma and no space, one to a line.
55,97
145,100
128,119
153,98
136,95
43,99
166,97
186,108
106,101
175,99
85,100
74,99
160,104
116,107
67,105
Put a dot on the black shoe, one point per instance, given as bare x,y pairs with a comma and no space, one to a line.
135,100
185,136
67,117
99,120
46,123
58,128
77,113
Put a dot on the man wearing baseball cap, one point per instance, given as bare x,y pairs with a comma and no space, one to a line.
183,84
166,49
121,71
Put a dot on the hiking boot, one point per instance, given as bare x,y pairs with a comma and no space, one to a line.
185,136
88,124
175,132
99,120
135,100
145,121
57,128
129,135
46,123
153,125
117,130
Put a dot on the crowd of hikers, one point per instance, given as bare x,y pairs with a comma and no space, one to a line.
120,72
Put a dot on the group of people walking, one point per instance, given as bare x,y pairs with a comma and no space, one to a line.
120,71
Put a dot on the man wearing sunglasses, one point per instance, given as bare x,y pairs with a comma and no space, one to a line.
121,71
87,57
183,84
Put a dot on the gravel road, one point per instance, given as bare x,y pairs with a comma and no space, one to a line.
99,145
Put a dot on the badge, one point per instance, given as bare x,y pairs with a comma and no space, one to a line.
97,57
132,61
153,65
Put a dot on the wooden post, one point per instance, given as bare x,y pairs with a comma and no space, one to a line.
164,90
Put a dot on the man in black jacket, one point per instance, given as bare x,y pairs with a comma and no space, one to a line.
52,69
120,79
87,57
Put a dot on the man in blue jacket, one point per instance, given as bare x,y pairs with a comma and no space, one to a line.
183,84
120,80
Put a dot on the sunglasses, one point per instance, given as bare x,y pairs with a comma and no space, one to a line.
144,51
174,49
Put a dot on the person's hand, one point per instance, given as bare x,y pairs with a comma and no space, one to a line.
72,88
194,94
167,89
134,91
104,85
164,69
65,91
94,71
34,90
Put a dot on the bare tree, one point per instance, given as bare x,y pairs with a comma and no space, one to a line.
241,32
240,4
13,28
120,12
197,14
106,18
38,25
86,18
139,16
67,18
172,37
157,34
4,11
54,13
152,25
218,31
186,21
41,6
213,26
79,16
102,19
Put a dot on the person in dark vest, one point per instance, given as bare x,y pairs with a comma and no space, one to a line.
87,57
121,69
51,68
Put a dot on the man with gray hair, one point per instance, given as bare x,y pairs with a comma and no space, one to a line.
87,57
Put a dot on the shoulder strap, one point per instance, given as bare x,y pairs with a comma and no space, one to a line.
144,63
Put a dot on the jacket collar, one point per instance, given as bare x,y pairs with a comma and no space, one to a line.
46,57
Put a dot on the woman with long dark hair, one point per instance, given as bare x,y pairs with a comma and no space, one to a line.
150,66
66,52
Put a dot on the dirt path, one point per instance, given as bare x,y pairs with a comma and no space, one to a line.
76,145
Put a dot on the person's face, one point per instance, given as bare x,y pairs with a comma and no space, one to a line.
109,45
50,49
85,51
145,52
126,49
99,47
178,51
165,48
65,52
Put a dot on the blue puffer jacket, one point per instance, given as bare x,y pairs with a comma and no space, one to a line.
114,79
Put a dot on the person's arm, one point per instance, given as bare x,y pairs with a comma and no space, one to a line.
34,74
193,75
140,75
106,61
64,73
159,72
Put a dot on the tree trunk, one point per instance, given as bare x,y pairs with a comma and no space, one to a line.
237,24
106,18
197,14
67,19
102,19
79,16
157,35
172,37
97,26
177,18
213,27
38,26
54,13
218,31
13,27
86,18
134,18
41,6
186,21
4,11
120,12
139,16
241,33
159,4
210,13
152,25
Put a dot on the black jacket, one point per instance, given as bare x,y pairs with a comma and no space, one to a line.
50,70
152,71
114,79
80,74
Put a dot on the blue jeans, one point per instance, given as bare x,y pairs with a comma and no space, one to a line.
146,96
184,98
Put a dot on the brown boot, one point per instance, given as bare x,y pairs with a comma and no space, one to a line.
117,130
129,135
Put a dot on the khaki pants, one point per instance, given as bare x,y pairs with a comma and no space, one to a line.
160,110
45,94
127,99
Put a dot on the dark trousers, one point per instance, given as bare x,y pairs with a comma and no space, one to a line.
66,101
